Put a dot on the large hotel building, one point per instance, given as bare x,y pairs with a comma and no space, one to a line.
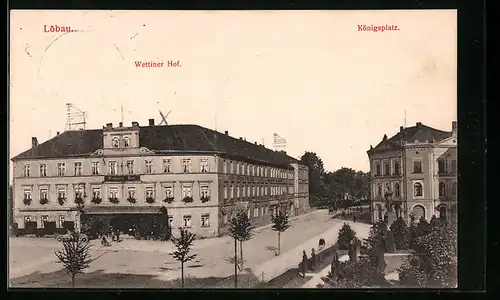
416,170
198,174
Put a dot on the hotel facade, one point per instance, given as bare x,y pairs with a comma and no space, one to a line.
414,171
201,176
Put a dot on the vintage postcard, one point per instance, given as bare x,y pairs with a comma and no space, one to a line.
233,149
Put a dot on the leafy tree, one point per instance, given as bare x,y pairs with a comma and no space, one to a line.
377,236
75,255
183,245
423,227
390,245
401,234
316,173
346,234
434,261
280,224
240,229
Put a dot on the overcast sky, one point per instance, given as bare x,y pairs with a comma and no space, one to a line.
309,76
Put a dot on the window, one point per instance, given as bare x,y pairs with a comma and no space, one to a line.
170,221
186,220
113,170
44,194
397,190
43,170
95,168
417,167
379,189
150,192
232,191
44,220
237,191
126,142
130,167
186,191
224,164
27,219
441,166
113,192
442,189
225,192
78,169
249,192
169,191
27,193
61,193
167,166
387,169
231,167
131,193
454,166
204,165
116,142
417,189
377,168
96,193
62,219
204,191
27,170
454,188
61,169
149,166
255,212
78,192
237,168
243,190
397,168
186,165
205,220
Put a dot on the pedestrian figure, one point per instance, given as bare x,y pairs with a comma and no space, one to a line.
321,243
354,218
313,260
303,264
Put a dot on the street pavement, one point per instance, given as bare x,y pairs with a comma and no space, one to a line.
29,255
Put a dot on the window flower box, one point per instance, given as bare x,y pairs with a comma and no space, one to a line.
205,199
113,200
96,200
61,200
168,200
27,201
79,200
131,200
187,199
150,200
44,201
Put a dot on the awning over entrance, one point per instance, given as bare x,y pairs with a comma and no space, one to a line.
106,210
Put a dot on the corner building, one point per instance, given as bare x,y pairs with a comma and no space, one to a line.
201,176
416,170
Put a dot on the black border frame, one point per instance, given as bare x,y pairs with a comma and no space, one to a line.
471,121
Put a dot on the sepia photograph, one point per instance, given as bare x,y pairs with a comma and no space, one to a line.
233,149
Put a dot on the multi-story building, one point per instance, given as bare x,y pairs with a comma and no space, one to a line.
201,176
415,171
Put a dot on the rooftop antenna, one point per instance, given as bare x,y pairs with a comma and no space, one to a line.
279,143
164,117
75,118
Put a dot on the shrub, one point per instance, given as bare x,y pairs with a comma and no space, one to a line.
27,201
205,199
131,200
377,236
401,234
434,262
168,200
44,201
390,245
96,200
346,234
150,200
61,200
113,200
358,274
423,227
187,199
79,200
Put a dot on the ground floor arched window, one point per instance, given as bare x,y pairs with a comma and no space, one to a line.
442,212
419,212
379,212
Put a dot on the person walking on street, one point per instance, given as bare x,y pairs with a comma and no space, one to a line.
313,260
303,264
354,218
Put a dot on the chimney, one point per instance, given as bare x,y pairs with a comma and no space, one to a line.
109,125
34,142
135,124
400,128
454,125
226,133
151,122
57,133
241,138
120,124
255,143
419,124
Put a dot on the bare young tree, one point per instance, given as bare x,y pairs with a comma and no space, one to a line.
240,229
183,245
75,255
280,224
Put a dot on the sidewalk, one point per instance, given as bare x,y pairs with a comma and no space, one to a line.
167,246
316,280
290,259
